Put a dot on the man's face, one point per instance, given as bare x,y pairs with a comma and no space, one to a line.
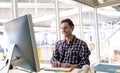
66,29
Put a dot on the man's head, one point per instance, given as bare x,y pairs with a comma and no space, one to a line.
67,27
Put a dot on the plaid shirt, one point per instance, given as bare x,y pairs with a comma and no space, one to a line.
76,52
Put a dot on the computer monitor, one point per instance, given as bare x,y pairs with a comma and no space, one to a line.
20,32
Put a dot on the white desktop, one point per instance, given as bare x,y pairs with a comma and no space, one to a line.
75,70
85,69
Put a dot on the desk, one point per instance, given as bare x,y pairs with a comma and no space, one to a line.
43,71
75,70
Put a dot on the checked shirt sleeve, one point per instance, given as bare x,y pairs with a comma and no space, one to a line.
55,55
84,55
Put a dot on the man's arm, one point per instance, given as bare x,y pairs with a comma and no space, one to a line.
84,55
55,56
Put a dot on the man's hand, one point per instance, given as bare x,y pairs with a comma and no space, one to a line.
67,65
56,64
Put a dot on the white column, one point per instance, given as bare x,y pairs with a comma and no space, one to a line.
57,19
97,35
14,9
80,21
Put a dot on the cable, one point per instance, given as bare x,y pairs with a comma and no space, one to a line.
4,65
11,65
16,58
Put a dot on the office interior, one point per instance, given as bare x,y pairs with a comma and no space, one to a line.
96,21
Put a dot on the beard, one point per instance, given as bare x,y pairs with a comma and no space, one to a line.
66,35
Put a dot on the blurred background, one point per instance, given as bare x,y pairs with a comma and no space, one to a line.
103,40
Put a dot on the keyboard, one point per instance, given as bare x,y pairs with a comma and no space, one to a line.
58,69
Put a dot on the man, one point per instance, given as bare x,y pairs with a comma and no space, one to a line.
70,52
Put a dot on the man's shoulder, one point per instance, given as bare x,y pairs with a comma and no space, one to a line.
59,42
80,40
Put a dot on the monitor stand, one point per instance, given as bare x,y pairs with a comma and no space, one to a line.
16,58
12,67
8,59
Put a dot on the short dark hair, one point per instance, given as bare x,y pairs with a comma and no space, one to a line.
69,22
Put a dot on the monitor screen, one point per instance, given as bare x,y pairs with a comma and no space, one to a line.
20,32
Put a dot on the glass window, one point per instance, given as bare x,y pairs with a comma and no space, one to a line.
89,30
5,0
45,1
69,9
25,1
5,15
45,29
109,33
22,11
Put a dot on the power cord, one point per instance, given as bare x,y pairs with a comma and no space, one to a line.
11,66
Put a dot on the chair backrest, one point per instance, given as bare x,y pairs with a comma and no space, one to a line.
86,69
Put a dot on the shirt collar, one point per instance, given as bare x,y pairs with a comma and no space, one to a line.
73,37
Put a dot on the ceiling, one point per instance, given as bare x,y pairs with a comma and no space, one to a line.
46,10
101,3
